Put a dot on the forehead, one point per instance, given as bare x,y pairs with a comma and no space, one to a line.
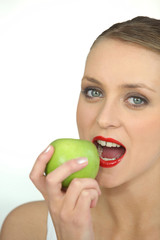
118,60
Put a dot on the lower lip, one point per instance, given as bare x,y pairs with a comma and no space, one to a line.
109,164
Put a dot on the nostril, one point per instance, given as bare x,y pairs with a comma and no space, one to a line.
106,123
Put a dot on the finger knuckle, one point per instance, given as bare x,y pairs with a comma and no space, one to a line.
76,183
96,186
85,193
70,166
32,176
95,183
49,179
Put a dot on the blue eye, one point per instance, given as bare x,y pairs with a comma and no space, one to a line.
92,93
136,101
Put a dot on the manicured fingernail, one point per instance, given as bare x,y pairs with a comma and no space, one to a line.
47,149
81,160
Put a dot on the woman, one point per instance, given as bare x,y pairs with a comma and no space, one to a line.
118,109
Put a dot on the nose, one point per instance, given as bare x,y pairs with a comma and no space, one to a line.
109,116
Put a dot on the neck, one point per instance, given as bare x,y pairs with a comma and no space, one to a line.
134,205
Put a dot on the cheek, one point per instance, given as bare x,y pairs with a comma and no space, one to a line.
85,118
81,117
147,127
145,137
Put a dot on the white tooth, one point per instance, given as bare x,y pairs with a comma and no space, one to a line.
109,159
114,145
109,144
100,149
102,143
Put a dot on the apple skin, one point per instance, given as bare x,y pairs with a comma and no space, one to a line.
66,149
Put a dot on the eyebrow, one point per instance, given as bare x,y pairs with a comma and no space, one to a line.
137,85
93,80
127,85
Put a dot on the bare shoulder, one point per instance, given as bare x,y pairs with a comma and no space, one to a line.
27,222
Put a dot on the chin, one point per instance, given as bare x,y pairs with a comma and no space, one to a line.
109,181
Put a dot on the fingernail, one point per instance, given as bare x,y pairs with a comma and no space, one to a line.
47,149
81,160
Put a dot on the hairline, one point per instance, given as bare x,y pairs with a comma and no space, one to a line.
129,41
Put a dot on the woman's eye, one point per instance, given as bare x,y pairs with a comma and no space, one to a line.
137,101
92,93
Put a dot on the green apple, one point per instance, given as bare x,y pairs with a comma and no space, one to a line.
66,149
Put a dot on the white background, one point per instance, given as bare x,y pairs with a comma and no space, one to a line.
43,47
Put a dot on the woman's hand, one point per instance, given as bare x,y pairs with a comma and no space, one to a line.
70,209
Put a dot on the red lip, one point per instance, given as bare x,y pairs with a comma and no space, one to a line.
109,164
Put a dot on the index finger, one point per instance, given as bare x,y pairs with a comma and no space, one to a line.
37,172
56,177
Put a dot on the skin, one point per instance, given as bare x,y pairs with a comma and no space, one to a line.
125,188
115,64
123,202
27,221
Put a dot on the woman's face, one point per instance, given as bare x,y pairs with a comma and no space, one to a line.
120,103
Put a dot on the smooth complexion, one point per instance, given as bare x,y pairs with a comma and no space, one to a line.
120,99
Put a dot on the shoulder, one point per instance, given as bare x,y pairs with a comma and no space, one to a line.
27,222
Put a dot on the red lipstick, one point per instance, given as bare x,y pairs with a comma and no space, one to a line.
120,151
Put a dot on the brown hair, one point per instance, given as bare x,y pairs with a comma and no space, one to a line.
141,30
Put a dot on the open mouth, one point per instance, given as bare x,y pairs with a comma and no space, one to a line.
110,151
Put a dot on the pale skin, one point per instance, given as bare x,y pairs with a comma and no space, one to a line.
120,99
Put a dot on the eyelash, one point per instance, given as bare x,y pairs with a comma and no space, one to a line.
132,96
87,89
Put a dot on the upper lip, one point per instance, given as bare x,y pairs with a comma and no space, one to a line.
107,140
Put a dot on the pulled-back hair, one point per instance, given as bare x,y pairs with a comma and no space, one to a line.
141,30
